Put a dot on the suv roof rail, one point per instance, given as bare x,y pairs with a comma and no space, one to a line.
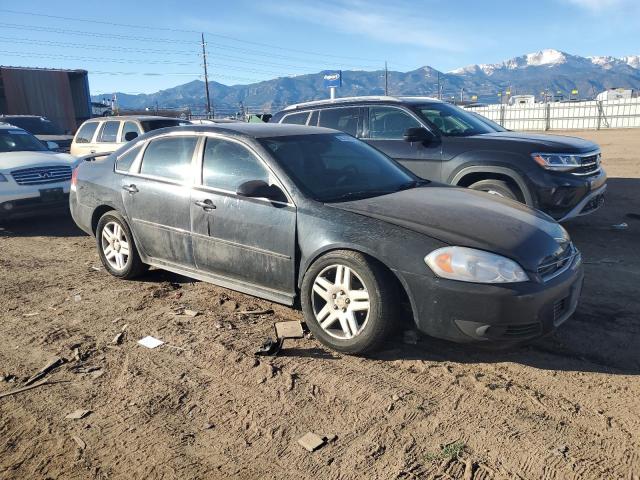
330,101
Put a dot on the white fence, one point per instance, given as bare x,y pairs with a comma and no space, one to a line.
594,114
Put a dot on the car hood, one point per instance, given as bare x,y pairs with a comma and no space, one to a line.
529,142
14,160
469,218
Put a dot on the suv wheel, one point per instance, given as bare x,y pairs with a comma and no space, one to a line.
497,187
348,302
116,247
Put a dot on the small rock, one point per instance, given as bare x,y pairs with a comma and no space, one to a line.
230,326
97,374
218,325
208,426
191,313
116,320
230,305
81,444
77,298
30,314
311,442
118,338
395,397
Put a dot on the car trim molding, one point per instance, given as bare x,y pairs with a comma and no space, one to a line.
242,245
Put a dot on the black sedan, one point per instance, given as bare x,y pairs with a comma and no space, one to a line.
286,212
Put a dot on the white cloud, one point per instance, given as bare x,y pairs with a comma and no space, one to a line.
397,25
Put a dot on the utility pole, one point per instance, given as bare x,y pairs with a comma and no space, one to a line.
461,94
386,79
439,90
210,113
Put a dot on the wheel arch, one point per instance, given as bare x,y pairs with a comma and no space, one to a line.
98,212
469,175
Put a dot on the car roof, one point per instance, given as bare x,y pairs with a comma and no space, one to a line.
359,100
8,126
135,117
254,130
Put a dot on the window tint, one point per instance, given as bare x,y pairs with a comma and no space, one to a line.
452,121
129,127
296,118
345,119
389,123
109,132
227,165
124,161
85,134
169,158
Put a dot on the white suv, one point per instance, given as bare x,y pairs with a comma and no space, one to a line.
33,179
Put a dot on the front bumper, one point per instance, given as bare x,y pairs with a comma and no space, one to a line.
565,196
471,312
46,199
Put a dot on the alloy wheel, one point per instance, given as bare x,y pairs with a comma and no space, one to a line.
340,302
115,245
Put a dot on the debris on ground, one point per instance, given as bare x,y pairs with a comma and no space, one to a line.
292,329
81,444
150,342
77,298
270,347
266,311
24,389
311,441
190,313
78,414
53,364
30,314
117,340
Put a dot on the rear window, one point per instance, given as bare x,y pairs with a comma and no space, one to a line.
85,134
149,125
109,132
344,119
169,158
296,118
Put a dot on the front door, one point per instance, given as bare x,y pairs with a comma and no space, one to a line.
385,130
250,240
157,199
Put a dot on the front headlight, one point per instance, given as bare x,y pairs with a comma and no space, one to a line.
556,161
471,265
3,178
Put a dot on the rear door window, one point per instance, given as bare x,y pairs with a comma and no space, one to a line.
124,161
109,132
85,134
129,127
389,123
169,158
344,119
296,118
226,165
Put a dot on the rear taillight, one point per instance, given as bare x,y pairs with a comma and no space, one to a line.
74,179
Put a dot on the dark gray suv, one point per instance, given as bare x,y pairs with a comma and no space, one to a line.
559,175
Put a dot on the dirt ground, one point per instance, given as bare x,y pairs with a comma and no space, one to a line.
203,407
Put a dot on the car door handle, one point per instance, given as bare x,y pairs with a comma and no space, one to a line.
205,204
130,188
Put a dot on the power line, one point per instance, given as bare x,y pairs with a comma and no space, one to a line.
101,59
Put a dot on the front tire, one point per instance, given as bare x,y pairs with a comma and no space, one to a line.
116,247
499,188
348,302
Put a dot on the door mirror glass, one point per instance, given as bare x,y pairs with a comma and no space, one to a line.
130,136
417,134
260,189
53,146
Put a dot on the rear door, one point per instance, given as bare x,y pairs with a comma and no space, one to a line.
345,119
108,135
251,240
83,141
385,129
157,198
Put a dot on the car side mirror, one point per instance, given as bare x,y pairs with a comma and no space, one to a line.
53,146
260,189
417,134
130,136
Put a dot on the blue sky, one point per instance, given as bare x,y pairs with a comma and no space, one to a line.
250,41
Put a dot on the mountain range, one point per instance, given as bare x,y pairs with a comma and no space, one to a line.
547,70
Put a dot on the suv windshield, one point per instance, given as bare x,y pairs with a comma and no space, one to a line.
34,125
452,121
338,167
148,125
19,141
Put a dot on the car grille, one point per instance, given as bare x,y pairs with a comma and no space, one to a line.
589,166
559,308
554,265
41,175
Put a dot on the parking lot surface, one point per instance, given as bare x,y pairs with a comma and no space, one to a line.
202,406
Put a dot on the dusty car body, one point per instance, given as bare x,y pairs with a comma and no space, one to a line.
276,237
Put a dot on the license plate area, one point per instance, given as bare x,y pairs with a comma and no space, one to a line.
52,195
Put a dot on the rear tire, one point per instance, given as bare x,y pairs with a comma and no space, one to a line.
349,301
116,247
499,188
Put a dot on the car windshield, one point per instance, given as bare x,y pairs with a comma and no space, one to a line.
452,121
35,125
338,167
19,141
148,125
